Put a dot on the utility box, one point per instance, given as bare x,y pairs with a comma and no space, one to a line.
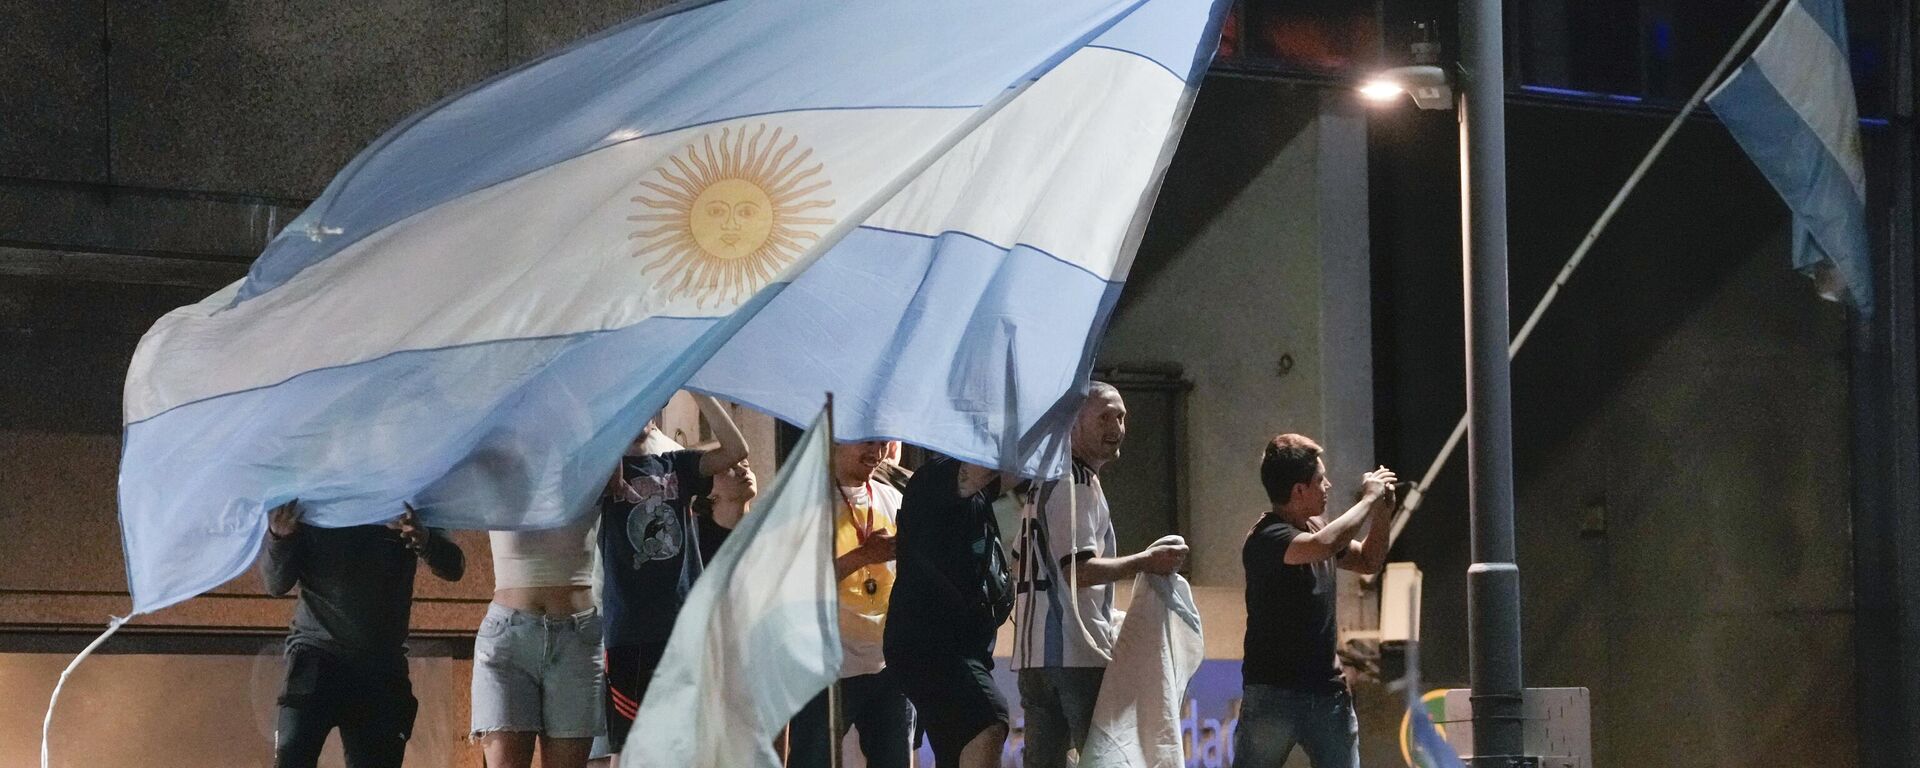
1400,604
1558,732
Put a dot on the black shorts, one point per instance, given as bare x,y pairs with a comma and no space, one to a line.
954,698
629,670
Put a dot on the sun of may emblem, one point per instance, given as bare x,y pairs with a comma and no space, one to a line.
729,214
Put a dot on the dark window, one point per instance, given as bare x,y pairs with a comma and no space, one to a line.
1659,51
1653,52
1314,37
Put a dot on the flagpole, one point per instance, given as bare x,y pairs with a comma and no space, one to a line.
833,690
833,724
1493,579
1418,492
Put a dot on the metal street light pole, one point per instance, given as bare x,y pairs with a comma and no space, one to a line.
1493,580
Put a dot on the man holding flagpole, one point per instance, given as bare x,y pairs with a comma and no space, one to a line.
1295,691
870,698
346,651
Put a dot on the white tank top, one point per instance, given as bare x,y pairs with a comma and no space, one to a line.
555,557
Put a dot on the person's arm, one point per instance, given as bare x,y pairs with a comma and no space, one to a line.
1332,539
443,556
733,445
931,499
1089,570
1080,560
1369,555
972,479
879,548
280,563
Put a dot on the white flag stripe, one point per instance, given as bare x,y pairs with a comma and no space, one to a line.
565,228
1810,71
1106,104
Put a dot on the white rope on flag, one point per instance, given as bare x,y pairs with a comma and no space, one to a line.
46,726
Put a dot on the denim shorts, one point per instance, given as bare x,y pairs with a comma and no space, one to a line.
537,674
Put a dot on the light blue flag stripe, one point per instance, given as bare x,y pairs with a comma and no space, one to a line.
1828,212
457,425
915,336
1829,220
679,68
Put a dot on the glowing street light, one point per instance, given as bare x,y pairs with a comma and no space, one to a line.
1427,83
1381,90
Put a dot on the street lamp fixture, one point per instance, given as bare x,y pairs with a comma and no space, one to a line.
1426,83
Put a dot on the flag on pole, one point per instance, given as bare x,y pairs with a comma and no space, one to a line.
927,210
1791,107
1430,748
759,635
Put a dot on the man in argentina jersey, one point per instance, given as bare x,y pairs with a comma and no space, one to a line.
1061,653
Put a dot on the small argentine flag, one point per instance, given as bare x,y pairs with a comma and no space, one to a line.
1792,109
759,635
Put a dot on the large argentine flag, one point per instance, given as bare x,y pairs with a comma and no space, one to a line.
1792,109
926,209
759,635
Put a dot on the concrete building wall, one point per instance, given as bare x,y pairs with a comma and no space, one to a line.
1681,439
1263,305
148,151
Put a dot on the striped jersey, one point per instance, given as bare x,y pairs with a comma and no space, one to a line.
1065,521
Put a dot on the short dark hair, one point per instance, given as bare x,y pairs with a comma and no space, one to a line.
1288,460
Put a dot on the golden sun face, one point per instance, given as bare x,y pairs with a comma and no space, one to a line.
732,217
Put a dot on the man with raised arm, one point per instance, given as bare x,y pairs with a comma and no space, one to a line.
1294,692
952,593
347,647
654,542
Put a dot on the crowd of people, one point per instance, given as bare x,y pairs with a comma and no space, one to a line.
926,580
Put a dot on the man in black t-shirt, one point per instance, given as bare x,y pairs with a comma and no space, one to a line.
1294,692
654,541
952,592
